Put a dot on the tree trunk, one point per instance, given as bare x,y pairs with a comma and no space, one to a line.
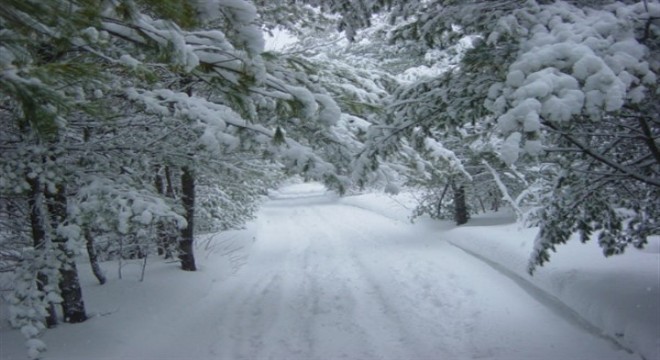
35,203
73,307
461,214
496,203
169,186
93,258
188,198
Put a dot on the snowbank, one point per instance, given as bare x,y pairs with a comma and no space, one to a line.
397,207
617,296
128,315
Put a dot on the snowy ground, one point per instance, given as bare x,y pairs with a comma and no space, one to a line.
317,277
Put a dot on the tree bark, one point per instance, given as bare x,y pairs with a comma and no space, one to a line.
461,214
186,242
73,306
160,232
495,205
169,188
35,203
93,258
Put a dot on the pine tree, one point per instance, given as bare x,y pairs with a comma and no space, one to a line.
548,83
97,102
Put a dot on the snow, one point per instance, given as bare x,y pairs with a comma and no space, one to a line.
321,277
91,34
515,78
243,16
439,151
619,296
533,147
278,39
571,62
306,99
6,57
129,61
330,112
509,150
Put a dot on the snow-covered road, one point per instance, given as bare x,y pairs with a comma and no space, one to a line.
323,280
330,281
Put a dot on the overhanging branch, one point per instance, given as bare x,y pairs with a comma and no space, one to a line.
602,159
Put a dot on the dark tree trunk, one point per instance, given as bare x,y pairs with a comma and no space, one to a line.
35,203
93,258
161,234
169,186
188,198
496,204
158,180
160,241
461,214
73,306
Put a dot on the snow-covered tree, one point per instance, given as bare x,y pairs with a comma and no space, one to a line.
39,90
566,87
99,102
134,121
582,91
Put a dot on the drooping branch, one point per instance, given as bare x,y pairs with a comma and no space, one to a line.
602,159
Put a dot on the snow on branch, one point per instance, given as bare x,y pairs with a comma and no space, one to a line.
573,65
503,190
440,152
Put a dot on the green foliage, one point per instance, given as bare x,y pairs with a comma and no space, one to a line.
115,105
183,13
111,101
607,154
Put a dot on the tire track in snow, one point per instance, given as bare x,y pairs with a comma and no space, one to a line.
335,312
260,300
371,305
326,281
461,315
305,287
442,322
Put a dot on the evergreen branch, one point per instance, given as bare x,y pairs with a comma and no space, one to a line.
602,159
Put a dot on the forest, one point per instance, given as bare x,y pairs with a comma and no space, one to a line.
129,127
